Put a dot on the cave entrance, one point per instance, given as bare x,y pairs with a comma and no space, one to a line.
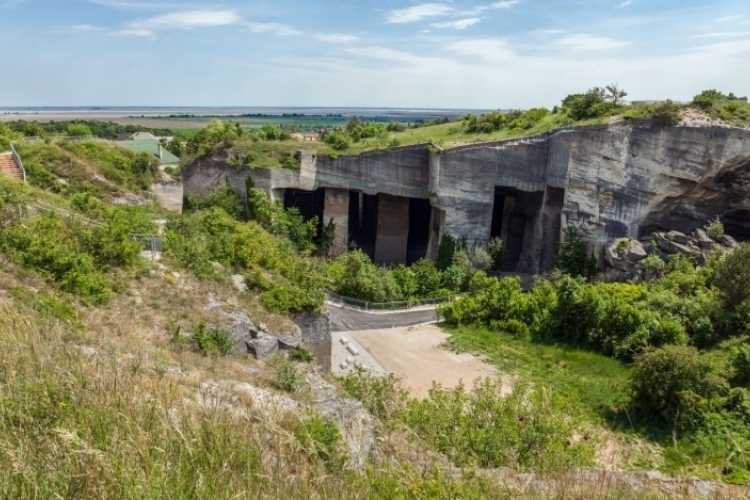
309,203
420,212
509,224
363,222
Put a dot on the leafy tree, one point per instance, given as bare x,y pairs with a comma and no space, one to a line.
352,124
446,251
337,139
78,130
395,127
498,253
666,114
615,93
574,257
733,276
592,104
673,383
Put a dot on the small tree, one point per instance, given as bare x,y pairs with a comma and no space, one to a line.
733,276
446,251
615,93
715,229
574,257
498,253
78,130
666,114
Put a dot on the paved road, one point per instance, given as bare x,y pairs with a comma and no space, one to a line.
350,320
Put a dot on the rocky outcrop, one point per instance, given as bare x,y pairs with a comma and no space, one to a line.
611,182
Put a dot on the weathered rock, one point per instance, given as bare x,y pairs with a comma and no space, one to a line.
290,340
729,242
678,237
263,328
672,247
263,347
704,241
241,334
316,336
624,253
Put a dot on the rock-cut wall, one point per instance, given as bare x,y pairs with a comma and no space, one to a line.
609,181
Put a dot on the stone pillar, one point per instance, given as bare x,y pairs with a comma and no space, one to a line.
337,208
437,223
393,230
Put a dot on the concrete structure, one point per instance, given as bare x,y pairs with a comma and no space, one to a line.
609,181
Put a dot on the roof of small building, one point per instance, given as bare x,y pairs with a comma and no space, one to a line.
150,146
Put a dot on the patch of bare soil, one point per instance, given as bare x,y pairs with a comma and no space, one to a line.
417,355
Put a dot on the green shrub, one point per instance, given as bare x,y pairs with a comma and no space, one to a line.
741,365
212,341
321,438
301,355
666,114
673,384
498,253
715,229
337,140
285,376
526,430
732,276
653,264
446,251
224,197
573,257
288,223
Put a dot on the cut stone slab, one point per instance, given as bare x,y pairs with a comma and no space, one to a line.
263,347
625,258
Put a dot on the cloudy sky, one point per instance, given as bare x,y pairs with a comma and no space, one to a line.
395,53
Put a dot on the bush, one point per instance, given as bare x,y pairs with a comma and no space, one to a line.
653,264
288,223
741,365
498,253
225,198
212,341
285,376
673,383
301,355
321,438
573,257
446,251
592,104
732,276
666,114
715,229
338,140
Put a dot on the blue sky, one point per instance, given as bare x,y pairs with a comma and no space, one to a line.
395,53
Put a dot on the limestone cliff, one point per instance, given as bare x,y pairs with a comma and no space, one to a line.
609,181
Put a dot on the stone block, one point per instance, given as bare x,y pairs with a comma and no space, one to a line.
678,237
728,241
702,238
263,347
289,341
672,247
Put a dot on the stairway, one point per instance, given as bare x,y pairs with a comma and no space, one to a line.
8,166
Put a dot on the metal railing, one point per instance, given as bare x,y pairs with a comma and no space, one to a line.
364,305
151,243
44,207
17,158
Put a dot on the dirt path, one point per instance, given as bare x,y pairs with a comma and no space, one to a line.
416,355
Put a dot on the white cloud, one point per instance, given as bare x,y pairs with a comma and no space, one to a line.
722,34
335,37
461,24
188,19
9,4
589,42
624,4
726,19
487,49
80,28
505,5
418,12
128,5
275,28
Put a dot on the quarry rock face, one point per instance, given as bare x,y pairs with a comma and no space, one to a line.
611,182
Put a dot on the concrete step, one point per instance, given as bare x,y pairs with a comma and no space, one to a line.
8,166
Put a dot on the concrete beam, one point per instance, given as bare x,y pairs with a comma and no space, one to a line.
391,244
337,208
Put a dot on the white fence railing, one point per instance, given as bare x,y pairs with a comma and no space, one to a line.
364,305
17,158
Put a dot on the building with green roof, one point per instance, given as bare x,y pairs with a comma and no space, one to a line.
154,147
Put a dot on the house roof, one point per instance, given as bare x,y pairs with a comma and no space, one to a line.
150,146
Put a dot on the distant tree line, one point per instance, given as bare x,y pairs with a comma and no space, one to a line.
105,130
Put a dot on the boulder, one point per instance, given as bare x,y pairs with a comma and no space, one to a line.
263,347
702,238
290,340
678,237
624,253
728,241
672,247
